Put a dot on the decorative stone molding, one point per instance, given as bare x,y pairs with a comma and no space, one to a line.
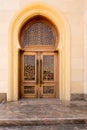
60,22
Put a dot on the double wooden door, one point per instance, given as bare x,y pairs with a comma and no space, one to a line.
39,74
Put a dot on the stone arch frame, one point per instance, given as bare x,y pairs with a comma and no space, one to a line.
63,47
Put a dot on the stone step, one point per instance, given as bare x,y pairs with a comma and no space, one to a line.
47,127
42,112
42,121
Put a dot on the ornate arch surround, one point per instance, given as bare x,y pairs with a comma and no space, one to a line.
63,47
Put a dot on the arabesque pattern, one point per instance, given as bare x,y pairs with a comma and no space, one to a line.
29,67
48,67
38,33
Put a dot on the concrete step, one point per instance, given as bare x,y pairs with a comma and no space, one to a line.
42,121
47,127
42,112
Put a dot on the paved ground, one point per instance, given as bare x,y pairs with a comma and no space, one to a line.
48,127
43,114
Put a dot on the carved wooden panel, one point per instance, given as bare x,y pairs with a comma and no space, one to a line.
29,67
29,89
48,67
48,89
37,33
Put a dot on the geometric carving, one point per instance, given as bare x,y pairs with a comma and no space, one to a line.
48,89
39,33
29,89
48,67
29,67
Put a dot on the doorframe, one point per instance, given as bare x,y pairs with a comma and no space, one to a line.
60,22
38,85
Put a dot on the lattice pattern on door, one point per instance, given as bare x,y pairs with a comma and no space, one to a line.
38,33
48,89
29,89
29,67
48,67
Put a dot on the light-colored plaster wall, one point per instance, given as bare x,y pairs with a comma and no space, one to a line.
85,47
73,11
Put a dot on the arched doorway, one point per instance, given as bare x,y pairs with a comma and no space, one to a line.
39,58
63,47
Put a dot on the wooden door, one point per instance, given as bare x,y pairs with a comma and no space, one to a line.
39,74
29,75
48,76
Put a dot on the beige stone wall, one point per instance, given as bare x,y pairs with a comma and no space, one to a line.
85,47
76,15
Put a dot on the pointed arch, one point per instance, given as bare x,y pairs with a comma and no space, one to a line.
63,47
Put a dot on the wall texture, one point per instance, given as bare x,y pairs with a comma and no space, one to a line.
75,11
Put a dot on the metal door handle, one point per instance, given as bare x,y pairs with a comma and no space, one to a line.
40,72
37,73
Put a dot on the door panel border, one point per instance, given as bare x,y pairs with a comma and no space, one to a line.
39,85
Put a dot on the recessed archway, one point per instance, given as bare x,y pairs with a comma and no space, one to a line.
63,48
39,59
